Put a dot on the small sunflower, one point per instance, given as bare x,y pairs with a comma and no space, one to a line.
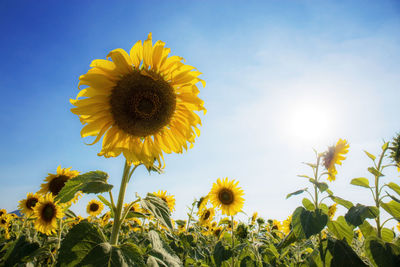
207,216
47,212
135,208
169,199
105,218
332,210
276,225
94,207
254,217
228,196
26,205
201,204
4,221
334,156
286,225
55,182
217,231
143,103
3,212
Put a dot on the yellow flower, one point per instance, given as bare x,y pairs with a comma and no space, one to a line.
105,218
4,221
217,231
254,217
332,210
143,103
47,212
169,199
3,212
360,235
26,205
207,216
201,204
334,156
228,196
276,225
55,182
286,227
94,207
135,207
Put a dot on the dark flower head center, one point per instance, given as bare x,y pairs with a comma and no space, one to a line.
328,157
31,202
142,104
48,212
57,184
226,196
2,213
206,215
3,221
94,207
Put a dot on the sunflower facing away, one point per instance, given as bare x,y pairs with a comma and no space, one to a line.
333,156
94,207
47,212
207,216
55,182
143,103
26,205
228,196
169,199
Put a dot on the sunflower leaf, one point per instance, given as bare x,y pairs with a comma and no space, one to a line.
362,181
393,208
161,251
356,215
345,203
382,253
296,193
343,254
341,229
370,155
394,187
20,251
375,172
307,223
158,208
90,182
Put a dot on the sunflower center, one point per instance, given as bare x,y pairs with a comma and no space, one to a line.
206,215
31,202
329,157
57,184
226,196
48,212
141,105
3,221
94,207
2,213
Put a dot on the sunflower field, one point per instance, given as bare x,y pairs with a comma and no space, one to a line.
143,105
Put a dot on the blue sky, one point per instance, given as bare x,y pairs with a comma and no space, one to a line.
282,77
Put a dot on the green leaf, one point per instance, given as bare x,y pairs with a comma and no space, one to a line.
289,239
158,208
393,208
106,255
381,253
90,182
310,164
248,262
356,215
304,176
366,229
321,186
307,223
343,254
375,172
385,145
308,204
162,251
393,197
78,242
370,155
20,251
394,187
360,182
154,262
296,193
341,229
221,253
345,203
70,214
387,235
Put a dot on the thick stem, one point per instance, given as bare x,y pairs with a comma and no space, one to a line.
377,192
118,212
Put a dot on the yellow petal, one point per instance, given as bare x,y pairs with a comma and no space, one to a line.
121,59
148,52
137,54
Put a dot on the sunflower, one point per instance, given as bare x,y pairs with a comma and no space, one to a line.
254,217
47,212
143,103
4,221
332,210
135,208
217,231
3,212
26,205
334,156
94,207
207,216
169,199
228,196
286,225
105,218
55,182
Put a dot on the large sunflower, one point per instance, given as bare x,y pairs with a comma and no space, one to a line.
334,156
169,199
227,195
94,207
143,103
47,212
26,205
55,182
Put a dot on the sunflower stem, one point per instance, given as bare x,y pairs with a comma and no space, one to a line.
233,243
118,212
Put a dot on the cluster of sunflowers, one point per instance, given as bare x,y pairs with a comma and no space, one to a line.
142,105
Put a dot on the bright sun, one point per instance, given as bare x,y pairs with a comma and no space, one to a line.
308,122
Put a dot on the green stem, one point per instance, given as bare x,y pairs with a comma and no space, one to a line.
190,216
377,192
118,212
233,243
